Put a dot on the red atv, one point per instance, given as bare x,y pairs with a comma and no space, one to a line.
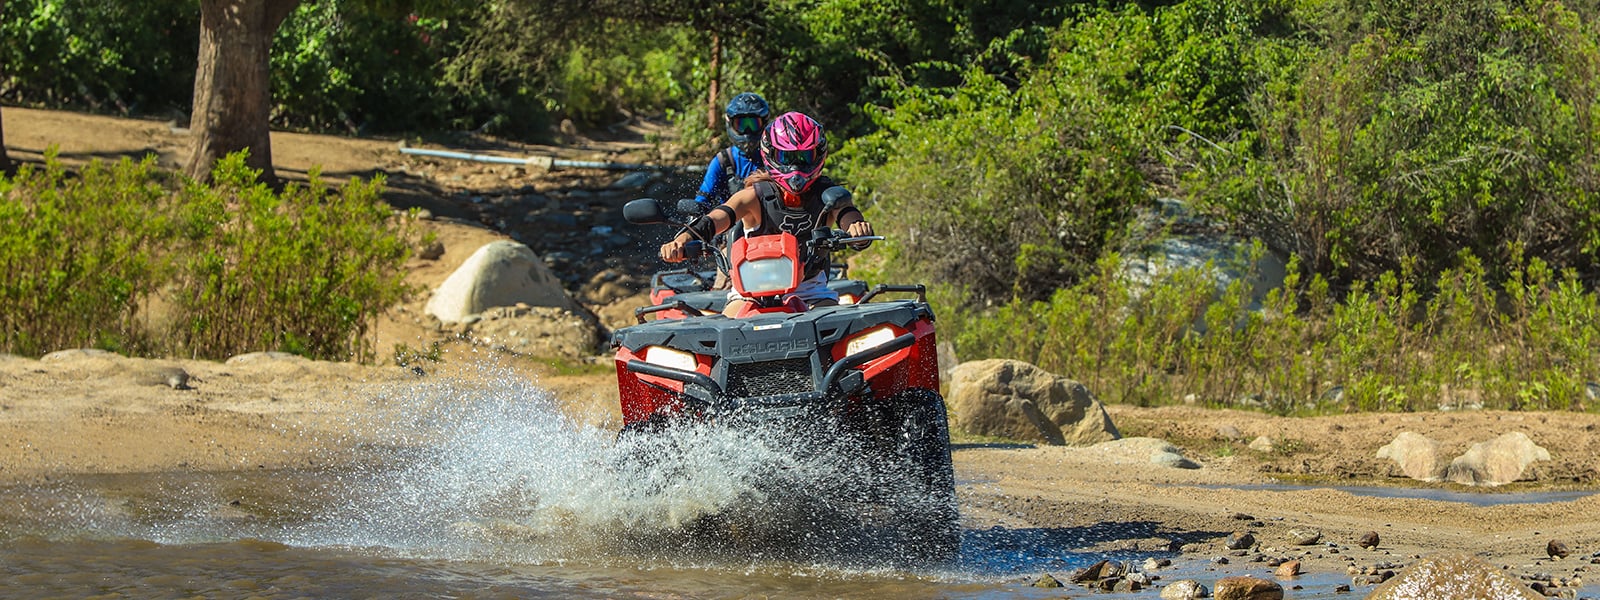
864,374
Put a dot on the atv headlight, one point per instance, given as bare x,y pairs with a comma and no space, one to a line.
847,298
670,357
767,275
869,339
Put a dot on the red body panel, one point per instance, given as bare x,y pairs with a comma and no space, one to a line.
913,367
643,396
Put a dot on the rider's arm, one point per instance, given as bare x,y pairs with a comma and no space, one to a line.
742,205
712,187
849,218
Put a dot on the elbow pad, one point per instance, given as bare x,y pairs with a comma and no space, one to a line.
703,228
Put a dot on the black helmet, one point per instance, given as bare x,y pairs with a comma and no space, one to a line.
746,117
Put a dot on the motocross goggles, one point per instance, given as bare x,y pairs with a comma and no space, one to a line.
795,159
746,124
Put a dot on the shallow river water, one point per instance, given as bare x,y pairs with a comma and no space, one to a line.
481,492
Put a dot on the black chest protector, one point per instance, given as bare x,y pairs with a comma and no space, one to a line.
798,221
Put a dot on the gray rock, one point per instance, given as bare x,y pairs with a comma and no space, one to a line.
1014,399
432,251
1262,444
1304,536
1046,581
170,375
255,357
1450,577
1151,564
1369,540
1496,462
1229,432
1144,450
1173,460
76,354
1239,540
1417,456
1184,589
632,181
500,273
1557,549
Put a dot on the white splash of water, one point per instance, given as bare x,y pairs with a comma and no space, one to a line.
492,465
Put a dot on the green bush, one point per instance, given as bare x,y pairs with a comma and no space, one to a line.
236,267
79,255
1382,348
1017,192
1420,129
124,56
337,66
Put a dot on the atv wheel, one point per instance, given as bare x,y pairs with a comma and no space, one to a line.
930,523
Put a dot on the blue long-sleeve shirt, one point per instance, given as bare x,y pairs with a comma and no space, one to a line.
716,188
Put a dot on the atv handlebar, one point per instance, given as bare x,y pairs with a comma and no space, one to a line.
834,239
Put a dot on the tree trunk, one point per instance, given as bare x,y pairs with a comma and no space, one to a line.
716,77
232,86
5,161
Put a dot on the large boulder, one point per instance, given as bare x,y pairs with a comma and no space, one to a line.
1498,461
1014,399
501,273
1452,577
1416,455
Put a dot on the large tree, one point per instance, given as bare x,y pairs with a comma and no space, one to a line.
5,161
232,86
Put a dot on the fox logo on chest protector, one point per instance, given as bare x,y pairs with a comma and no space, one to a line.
795,224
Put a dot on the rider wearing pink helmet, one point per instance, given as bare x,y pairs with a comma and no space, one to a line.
794,149
786,198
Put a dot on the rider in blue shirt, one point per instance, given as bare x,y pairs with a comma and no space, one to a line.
746,118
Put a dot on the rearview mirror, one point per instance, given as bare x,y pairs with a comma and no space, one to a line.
834,196
644,211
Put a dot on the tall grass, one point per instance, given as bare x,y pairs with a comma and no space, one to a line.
1529,342
234,267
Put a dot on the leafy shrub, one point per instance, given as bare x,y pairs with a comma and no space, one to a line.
1017,192
241,267
1382,348
125,56
1420,129
79,255
339,66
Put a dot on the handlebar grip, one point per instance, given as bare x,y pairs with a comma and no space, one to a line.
694,249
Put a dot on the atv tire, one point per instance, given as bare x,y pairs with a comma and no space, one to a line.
928,519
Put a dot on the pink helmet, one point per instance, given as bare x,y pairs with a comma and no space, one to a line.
794,149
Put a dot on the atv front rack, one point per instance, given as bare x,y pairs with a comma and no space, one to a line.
920,290
842,376
640,312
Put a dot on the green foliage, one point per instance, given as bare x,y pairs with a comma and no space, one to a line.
1017,192
632,70
236,266
1419,129
78,255
126,56
1383,348
339,66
